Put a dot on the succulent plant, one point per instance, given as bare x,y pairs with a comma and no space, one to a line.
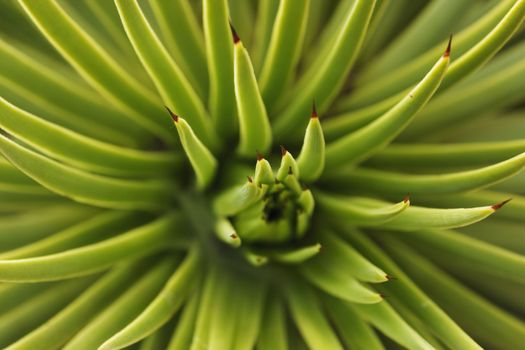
303,182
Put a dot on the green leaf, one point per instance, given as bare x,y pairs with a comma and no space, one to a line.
202,160
62,98
411,296
86,187
477,37
255,133
263,172
436,21
312,157
415,218
82,232
266,13
91,258
326,80
284,48
237,198
494,259
170,81
296,255
287,162
162,308
354,331
273,334
394,183
185,326
308,316
219,53
124,309
30,314
248,313
81,151
384,317
95,65
468,308
21,229
495,87
343,256
368,140
183,36
225,231
439,156
359,211
332,278
62,326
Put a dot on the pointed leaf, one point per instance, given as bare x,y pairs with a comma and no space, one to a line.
162,308
202,160
91,258
86,187
362,143
170,81
255,132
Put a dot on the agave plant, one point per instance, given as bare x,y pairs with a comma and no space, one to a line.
172,183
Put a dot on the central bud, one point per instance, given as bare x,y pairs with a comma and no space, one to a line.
267,215
269,208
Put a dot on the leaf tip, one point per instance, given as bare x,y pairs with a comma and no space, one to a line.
449,46
283,151
235,36
259,156
314,111
501,204
173,115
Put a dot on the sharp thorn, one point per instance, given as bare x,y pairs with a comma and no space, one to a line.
235,37
314,110
283,151
173,115
449,46
499,205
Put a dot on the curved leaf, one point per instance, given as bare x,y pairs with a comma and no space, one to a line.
123,310
255,134
162,308
376,135
96,66
170,81
81,151
91,258
284,48
326,80
394,183
359,211
86,187
308,316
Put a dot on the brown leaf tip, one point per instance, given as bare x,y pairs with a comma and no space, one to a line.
447,51
233,236
235,37
173,115
250,180
390,278
259,156
283,151
314,111
406,199
499,205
